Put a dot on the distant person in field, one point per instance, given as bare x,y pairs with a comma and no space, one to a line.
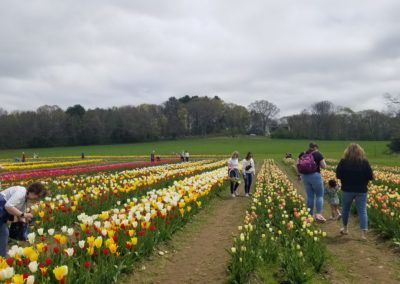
82,155
152,156
332,191
354,172
182,156
233,172
13,201
187,156
309,167
23,157
248,172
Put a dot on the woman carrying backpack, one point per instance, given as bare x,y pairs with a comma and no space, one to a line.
309,167
354,172
248,172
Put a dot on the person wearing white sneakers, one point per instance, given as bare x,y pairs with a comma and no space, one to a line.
248,172
233,172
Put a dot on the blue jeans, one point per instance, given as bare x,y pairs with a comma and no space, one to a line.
314,187
248,179
3,238
4,232
361,205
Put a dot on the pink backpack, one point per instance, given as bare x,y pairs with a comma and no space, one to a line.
307,164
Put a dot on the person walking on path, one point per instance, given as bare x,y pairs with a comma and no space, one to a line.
354,172
332,192
13,201
153,156
248,172
309,167
233,172
187,155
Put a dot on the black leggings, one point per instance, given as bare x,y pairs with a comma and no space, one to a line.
234,184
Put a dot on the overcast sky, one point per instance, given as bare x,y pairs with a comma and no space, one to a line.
112,53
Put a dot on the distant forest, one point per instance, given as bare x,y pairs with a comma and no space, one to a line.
191,116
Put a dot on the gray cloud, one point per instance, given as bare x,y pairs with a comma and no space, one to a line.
112,53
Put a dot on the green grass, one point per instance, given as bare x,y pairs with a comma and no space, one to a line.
260,146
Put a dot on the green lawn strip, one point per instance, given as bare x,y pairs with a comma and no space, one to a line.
261,147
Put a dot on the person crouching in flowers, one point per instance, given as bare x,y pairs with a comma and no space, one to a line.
233,172
332,192
13,202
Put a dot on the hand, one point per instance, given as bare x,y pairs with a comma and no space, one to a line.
28,216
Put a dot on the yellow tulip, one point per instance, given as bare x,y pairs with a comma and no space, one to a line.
60,272
18,279
98,242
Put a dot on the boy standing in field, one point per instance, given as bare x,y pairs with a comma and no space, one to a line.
332,192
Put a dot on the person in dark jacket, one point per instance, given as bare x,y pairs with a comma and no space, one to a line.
354,172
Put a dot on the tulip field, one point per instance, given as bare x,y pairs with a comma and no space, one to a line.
278,232
93,227
105,214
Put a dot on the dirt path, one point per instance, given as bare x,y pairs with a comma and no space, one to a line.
352,260
198,253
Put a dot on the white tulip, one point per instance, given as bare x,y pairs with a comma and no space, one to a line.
30,279
33,266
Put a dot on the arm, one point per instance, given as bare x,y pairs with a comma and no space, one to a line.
16,212
339,170
370,174
322,164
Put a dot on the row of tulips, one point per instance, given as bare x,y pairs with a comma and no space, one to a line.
108,190
46,164
278,233
105,245
383,203
47,172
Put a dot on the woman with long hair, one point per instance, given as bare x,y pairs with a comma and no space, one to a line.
248,172
354,172
233,172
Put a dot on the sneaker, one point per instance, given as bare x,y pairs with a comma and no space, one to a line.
236,193
320,218
233,195
343,231
247,195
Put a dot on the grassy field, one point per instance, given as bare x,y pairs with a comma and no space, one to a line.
260,146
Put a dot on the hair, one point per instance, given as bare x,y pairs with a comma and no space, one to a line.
235,155
37,188
248,156
313,145
354,153
332,183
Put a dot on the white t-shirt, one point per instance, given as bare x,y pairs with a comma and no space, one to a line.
246,163
187,154
15,196
233,163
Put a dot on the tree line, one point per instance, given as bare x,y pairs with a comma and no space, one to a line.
189,116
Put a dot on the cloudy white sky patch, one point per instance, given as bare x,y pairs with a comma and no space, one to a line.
113,53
